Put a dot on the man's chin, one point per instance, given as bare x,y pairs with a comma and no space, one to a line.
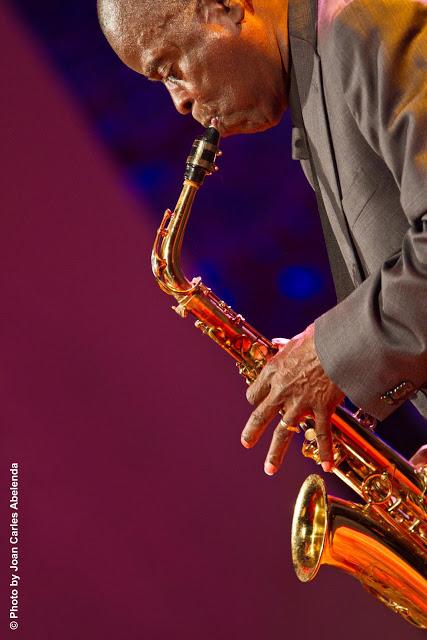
227,129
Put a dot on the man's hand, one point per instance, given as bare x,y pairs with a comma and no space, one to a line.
293,380
419,459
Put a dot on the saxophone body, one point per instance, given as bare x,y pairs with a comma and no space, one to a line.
383,540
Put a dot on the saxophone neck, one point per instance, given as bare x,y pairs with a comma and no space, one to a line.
166,255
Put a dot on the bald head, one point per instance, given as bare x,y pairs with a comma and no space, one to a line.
131,24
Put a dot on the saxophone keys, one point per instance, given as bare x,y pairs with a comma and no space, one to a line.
377,488
310,435
414,525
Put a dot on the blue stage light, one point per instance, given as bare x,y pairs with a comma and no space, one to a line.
299,282
213,277
149,177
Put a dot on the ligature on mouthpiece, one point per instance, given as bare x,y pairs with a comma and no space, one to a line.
201,161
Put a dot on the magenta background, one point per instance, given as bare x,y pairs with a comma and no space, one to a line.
140,514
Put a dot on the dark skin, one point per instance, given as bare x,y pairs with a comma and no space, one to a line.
292,380
226,63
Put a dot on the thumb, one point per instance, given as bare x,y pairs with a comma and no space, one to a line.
280,341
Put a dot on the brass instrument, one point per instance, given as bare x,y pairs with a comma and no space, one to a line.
382,542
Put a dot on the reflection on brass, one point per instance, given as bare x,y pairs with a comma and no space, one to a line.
383,541
328,530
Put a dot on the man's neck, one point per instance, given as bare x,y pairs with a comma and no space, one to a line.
275,13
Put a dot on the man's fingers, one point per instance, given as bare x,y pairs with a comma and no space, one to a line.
279,445
324,440
258,421
260,388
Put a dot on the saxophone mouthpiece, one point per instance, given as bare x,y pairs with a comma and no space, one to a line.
201,161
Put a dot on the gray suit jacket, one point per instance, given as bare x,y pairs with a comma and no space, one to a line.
361,73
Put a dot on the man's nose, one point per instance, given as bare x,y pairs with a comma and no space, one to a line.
182,100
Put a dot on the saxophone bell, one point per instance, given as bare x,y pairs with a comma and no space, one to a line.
345,535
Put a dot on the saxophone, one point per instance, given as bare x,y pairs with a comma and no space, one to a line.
382,541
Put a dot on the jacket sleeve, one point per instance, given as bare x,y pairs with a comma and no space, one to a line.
373,344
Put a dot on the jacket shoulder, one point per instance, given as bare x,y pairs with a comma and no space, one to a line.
370,22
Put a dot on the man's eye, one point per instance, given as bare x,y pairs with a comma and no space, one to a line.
170,75
172,79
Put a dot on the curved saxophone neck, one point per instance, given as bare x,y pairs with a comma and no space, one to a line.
166,255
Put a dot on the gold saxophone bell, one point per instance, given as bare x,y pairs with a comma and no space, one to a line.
383,543
342,534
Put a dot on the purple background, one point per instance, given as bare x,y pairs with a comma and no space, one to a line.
140,514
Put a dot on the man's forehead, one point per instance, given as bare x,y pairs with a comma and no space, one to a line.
138,30
116,15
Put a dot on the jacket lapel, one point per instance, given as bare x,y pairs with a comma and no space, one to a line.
308,73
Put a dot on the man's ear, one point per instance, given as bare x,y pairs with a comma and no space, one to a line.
227,13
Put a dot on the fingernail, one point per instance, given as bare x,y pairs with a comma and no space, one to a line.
280,341
246,443
270,469
327,466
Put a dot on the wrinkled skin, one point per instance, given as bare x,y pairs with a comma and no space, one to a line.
227,62
292,380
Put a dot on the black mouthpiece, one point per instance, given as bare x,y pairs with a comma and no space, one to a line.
201,161
211,135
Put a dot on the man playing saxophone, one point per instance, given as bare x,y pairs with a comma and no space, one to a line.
353,73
